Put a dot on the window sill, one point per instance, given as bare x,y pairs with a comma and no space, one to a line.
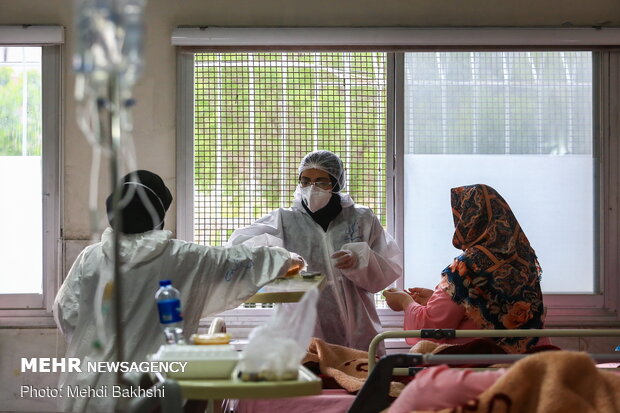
392,345
581,318
239,322
26,318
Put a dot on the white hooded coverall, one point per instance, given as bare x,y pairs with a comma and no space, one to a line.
347,314
210,279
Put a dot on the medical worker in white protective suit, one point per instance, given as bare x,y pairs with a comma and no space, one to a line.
338,238
210,279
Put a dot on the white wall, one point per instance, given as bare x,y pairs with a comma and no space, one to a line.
28,343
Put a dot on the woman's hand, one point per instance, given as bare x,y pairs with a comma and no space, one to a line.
420,295
397,300
345,259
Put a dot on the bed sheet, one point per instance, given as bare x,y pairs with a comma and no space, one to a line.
329,401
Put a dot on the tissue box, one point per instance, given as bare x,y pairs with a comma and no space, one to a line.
203,362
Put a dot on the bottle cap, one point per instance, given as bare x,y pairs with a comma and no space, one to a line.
164,283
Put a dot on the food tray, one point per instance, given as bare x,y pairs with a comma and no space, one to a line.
286,290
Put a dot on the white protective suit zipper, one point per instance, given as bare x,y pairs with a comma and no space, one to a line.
337,282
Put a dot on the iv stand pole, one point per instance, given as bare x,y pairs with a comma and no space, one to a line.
110,126
115,144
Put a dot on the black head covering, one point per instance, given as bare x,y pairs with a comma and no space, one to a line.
141,186
326,214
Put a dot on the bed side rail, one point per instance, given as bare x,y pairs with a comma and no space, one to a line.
452,333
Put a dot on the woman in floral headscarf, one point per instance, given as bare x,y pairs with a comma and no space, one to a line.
493,284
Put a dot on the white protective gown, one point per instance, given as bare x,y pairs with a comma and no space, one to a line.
210,279
346,308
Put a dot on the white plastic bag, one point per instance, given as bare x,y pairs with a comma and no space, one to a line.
276,348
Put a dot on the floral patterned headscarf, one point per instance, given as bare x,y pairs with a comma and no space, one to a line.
497,278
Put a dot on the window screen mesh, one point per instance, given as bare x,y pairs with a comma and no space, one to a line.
499,103
257,115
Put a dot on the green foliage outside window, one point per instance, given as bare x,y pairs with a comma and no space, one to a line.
12,113
258,114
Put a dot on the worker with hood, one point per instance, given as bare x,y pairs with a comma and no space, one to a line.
210,280
342,240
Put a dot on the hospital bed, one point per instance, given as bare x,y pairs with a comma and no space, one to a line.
373,397
376,389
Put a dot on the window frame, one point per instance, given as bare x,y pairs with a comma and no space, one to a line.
241,320
599,309
563,310
34,310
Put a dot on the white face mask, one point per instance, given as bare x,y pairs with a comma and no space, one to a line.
315,198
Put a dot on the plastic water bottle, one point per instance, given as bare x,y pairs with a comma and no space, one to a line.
169,305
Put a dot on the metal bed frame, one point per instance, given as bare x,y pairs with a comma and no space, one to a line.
373,396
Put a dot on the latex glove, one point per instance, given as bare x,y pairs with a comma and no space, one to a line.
345,259
420,295
297,264
397,300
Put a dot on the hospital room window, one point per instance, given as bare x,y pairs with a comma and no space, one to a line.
520,122
257,114
29,132
20,155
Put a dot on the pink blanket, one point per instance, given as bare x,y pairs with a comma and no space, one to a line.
329,401
549,382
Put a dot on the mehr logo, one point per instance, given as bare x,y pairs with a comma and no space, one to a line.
72,364
51,365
